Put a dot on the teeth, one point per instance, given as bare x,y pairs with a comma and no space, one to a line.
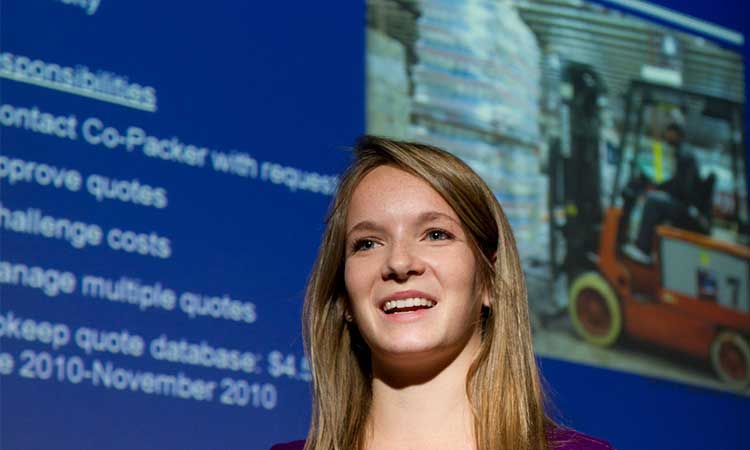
390,305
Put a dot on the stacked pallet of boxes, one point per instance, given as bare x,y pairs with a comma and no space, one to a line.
476,93
388,101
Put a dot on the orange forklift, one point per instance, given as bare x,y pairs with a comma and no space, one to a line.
692,295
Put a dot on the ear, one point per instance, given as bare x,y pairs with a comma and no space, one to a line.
347,313
486,296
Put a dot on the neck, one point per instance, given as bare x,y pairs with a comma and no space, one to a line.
422,407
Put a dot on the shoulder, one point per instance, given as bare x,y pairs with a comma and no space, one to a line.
566,439
294,445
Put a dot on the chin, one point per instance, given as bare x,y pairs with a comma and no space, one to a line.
411,350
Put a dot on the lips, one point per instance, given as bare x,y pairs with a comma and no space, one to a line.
407,301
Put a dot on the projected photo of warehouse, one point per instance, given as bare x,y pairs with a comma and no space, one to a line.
616,148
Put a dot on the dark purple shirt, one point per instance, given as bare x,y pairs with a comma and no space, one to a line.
560,439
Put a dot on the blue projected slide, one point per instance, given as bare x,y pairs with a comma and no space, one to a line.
166,168
165,172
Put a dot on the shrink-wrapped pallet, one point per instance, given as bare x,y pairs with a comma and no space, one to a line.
388,101
477,93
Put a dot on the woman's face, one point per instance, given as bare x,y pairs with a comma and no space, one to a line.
410,272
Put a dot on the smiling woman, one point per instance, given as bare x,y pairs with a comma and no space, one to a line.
411,278
416,318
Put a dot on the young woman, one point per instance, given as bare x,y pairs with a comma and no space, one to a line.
416,318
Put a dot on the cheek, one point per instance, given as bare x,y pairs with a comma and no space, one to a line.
459,272
459,260
356,279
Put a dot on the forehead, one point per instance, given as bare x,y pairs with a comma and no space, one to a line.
387,192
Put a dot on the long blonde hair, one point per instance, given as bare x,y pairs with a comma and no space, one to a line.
503,385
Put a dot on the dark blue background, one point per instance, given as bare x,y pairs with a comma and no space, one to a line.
283,82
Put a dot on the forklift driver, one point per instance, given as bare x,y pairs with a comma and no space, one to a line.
684,201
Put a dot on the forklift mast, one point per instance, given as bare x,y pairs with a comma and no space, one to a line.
575,174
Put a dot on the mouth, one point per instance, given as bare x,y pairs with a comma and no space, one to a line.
407,301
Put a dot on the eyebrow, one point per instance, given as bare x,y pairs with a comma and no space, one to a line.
365,225
428,216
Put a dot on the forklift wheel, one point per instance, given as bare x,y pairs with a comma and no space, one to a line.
595,310
730,357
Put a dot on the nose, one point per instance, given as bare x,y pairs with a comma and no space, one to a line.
402,262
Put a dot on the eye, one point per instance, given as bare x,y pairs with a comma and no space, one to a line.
437,234
363,245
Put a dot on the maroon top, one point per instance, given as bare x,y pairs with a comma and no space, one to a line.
560,439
